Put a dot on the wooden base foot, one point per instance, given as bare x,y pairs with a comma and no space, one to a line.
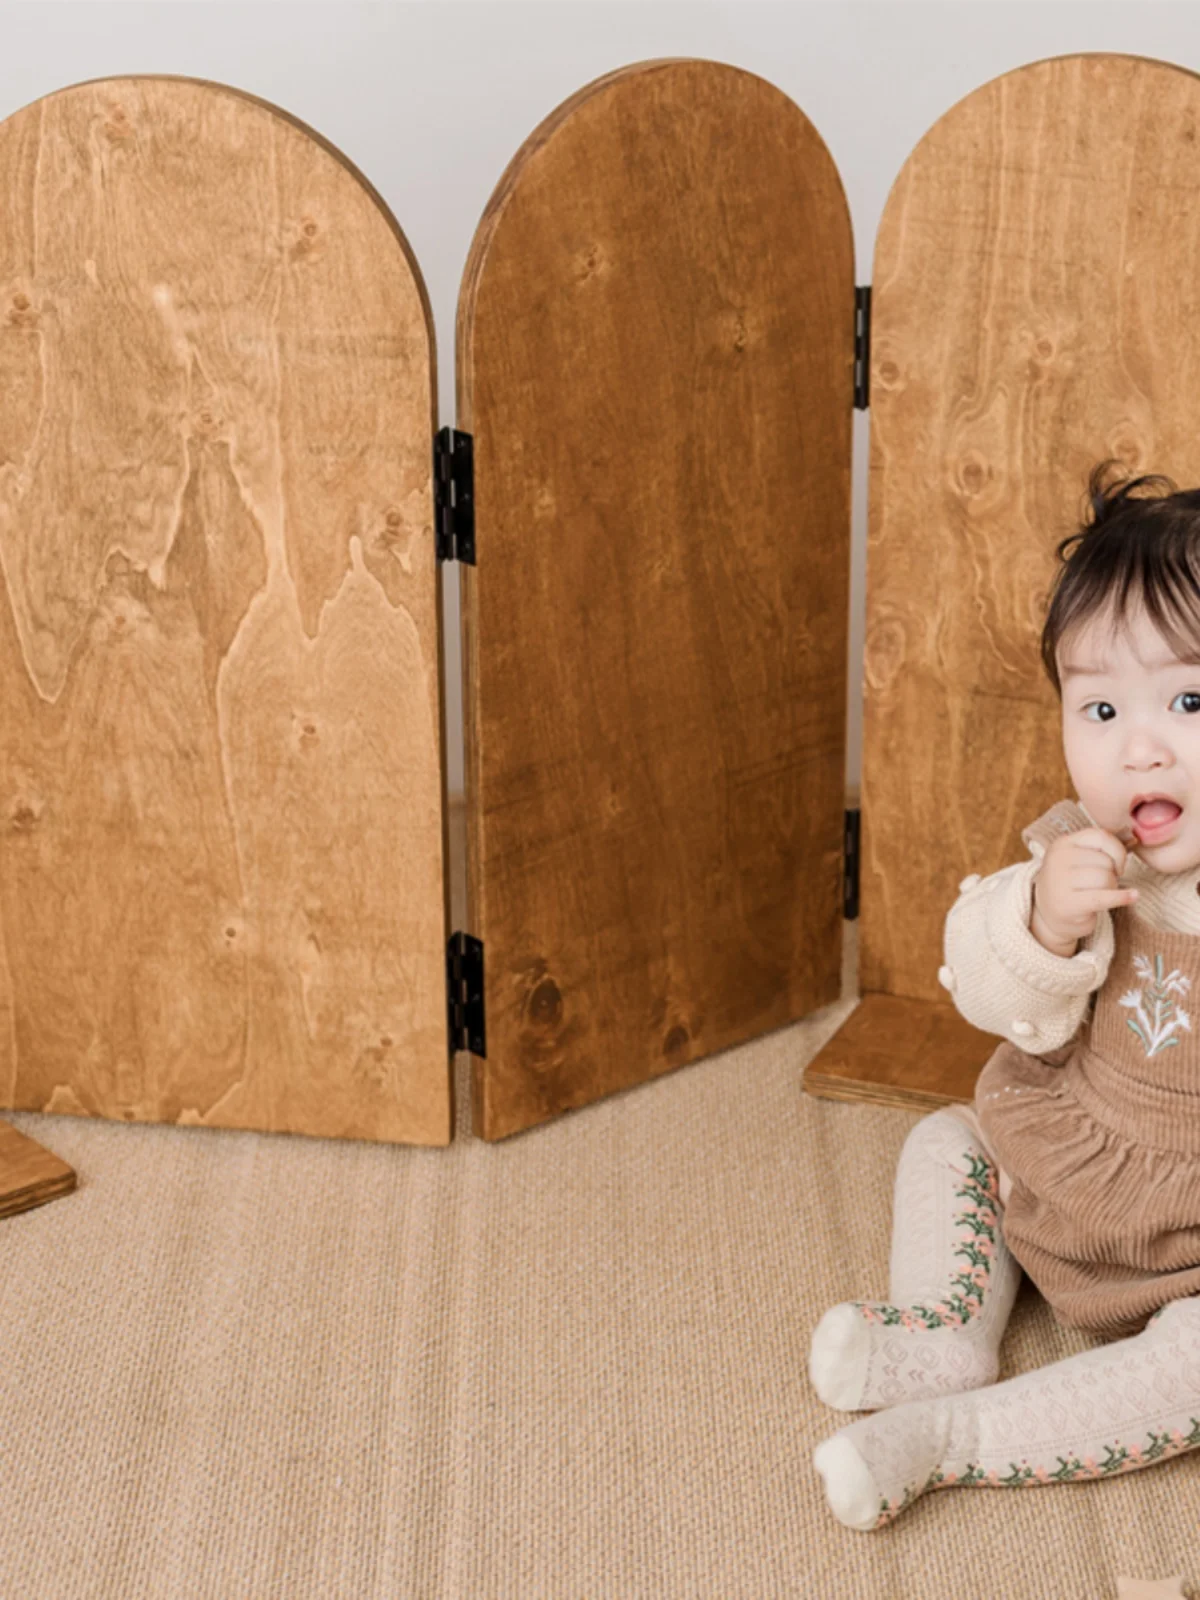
29,1175
891,1051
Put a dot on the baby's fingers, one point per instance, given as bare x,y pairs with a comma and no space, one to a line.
1106,899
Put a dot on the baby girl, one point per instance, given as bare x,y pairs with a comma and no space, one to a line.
1080,1158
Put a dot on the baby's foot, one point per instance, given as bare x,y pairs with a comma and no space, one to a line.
865,1356
953,1282
873,1469
1117,1407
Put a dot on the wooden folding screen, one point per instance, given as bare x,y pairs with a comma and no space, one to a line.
223,887
1032,312
222,787
655,364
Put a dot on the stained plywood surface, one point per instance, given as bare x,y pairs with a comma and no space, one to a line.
892,1051
29,1174
222,820
1032,272
655,359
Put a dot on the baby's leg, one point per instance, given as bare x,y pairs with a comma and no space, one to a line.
953,1281
1110,1409
970,1116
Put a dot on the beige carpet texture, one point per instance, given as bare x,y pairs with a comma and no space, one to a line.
572,1364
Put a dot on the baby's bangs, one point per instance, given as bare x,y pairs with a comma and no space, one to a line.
1170,598
1172,602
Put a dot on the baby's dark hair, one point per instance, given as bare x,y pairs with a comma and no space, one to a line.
1136,548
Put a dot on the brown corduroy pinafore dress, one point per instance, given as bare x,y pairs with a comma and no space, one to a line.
1101,1139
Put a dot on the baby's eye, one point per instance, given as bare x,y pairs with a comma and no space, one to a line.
1107,712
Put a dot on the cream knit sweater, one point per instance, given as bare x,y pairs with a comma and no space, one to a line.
1003,981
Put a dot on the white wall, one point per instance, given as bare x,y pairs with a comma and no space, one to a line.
431,100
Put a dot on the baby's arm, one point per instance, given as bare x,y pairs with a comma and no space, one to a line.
1002,980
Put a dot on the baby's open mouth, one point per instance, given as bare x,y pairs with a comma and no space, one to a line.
1153,819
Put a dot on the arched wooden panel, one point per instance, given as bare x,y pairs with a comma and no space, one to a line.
1033,294
222,788
655,359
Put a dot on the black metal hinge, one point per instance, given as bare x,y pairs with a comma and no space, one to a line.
862,346
464,994
850,879
454,496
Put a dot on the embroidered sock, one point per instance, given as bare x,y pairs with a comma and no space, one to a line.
953,1283
1110,1409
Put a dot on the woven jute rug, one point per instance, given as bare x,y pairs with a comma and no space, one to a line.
572,1364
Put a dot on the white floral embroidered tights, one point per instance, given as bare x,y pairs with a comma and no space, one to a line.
1114,1408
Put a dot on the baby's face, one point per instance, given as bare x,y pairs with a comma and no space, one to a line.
1131,726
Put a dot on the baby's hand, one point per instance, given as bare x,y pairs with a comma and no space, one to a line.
1077,879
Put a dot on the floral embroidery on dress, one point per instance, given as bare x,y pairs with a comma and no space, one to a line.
977,1246
1158,1020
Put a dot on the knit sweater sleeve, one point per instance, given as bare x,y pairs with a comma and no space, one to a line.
1002,980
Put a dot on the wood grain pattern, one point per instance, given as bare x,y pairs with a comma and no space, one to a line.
222,786
655,359
29,1174
893,1051
1032,292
